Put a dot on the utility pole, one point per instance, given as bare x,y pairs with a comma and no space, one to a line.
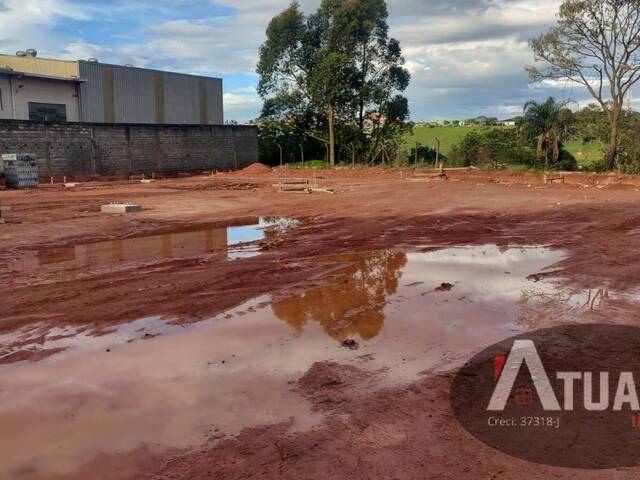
437,151
302,154
417,146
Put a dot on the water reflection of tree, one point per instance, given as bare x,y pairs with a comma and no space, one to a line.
353,305
540,307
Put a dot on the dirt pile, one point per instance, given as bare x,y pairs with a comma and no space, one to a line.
330,375
327,384
255,169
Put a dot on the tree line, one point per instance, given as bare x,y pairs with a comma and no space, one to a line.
332,83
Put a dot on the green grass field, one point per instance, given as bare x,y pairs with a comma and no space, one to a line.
586,155
449,136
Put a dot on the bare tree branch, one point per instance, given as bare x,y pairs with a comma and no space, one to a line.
596,43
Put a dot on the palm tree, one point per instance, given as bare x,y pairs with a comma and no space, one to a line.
541,121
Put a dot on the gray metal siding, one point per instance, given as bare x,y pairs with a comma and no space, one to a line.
137,95
214,100
134,95
181,99
159,93
202,96
108,95
91,98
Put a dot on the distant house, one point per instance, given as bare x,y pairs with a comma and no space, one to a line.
511,122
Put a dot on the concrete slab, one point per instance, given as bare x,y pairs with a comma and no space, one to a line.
70,185
120,208
147,180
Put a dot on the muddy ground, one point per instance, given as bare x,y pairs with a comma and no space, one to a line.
401,432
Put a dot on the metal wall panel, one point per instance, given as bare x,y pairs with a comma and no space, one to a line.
91,97
181,99
134,95
148,96
214,101
159,93
108,95
202,100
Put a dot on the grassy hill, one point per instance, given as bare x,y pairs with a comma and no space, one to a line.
448,136
586,155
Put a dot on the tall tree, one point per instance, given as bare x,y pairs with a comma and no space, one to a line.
594,44
377,64
337,63
542,120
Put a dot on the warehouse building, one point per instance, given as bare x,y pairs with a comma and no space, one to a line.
33,88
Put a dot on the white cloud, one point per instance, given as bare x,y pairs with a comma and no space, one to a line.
29,24
241,107
466,57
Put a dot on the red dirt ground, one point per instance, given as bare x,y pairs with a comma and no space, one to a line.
400,433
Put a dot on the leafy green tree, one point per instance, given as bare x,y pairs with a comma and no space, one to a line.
566,124
595,44
335,67
592,124
629,160
541,121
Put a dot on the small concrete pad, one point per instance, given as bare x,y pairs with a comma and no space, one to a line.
70,185
120,208
147,180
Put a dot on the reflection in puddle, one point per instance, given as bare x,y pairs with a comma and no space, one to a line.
84,338
355,305
236,370
178,244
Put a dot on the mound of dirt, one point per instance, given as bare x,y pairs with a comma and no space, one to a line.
255,169
323,376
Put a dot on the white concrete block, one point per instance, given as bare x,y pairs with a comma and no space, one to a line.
120,208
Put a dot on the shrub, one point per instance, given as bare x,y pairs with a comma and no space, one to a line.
498,148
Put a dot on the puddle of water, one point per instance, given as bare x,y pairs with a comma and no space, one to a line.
410,313
231,237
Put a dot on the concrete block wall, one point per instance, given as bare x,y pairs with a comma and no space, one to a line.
95,149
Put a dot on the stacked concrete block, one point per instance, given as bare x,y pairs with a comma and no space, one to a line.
20,170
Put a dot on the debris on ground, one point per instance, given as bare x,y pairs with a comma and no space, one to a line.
351,344
445,287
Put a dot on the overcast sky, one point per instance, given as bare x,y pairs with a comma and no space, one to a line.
467,57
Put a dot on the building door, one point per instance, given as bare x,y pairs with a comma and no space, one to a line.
47,112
